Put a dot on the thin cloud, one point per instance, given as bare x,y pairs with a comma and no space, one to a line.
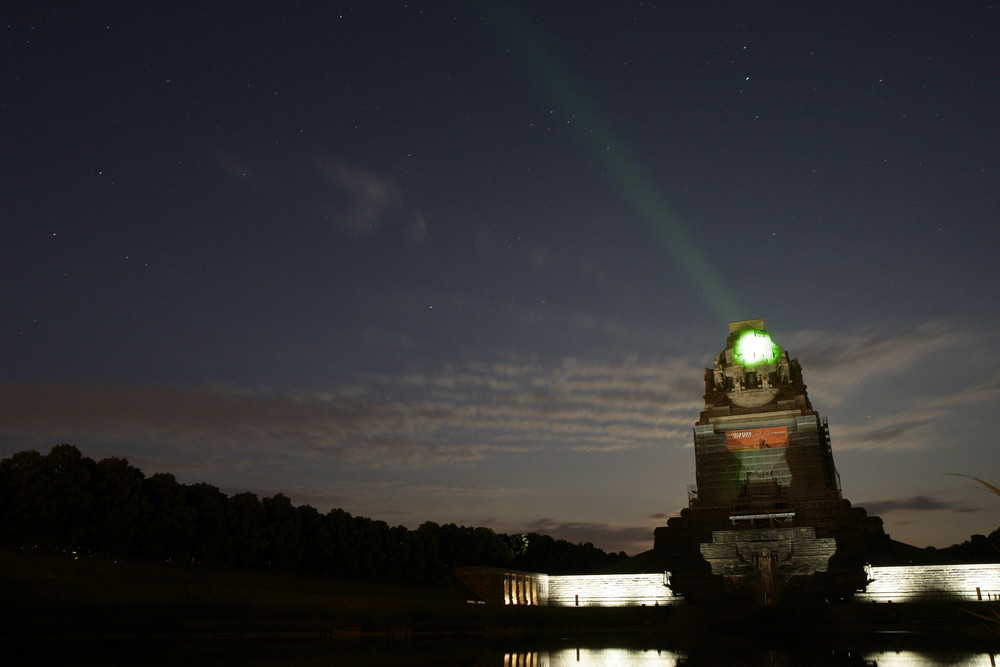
624,538
918,503
235,166
977,393
417,230
466,413
837,363
914,428
366,200
463,412
863,374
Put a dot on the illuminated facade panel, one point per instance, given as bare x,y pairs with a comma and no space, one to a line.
773,437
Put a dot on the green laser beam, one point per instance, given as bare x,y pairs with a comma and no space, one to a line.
564,91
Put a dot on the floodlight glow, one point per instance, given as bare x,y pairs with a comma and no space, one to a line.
973,582
610,590
754,347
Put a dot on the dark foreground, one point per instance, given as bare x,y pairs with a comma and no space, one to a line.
48,600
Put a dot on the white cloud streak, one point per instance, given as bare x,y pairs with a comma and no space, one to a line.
368,201
467,413
835,364
479,409
491,413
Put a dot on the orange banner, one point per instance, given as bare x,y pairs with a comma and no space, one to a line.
757,438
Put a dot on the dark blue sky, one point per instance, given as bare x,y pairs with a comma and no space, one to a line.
466,261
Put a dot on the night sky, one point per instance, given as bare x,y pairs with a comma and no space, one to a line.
466,262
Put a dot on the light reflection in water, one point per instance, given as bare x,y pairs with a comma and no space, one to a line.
622,657
609,657
909,658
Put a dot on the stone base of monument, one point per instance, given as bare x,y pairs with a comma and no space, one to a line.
764,560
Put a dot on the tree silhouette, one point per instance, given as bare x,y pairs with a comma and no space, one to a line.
119,510
169,531
67,502
211,529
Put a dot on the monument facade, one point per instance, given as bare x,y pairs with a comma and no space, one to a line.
765,521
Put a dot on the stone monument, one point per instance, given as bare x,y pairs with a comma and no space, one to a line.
766,521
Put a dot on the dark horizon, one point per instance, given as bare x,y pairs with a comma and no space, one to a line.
64,502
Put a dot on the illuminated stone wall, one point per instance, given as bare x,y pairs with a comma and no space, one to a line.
888,584
511,587
611,590
910,583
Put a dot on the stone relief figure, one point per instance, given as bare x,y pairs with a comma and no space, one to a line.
784,374
765,566
766,562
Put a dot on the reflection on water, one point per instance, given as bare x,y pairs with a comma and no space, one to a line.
480,653
722,650
900,658
622,657
593,656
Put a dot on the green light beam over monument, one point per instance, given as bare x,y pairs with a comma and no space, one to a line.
562,88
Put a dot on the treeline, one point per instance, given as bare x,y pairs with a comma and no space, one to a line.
976,549
64,501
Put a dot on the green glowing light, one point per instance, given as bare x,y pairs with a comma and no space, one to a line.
755,347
